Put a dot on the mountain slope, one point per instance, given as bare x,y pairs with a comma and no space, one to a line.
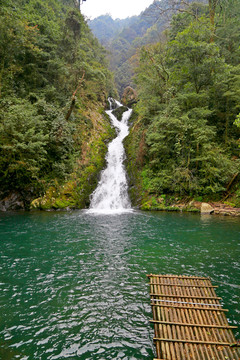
53,73
124,38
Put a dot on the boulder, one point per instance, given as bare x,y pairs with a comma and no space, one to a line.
129,96
206,208
112,103
119,112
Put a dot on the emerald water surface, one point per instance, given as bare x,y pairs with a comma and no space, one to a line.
73,285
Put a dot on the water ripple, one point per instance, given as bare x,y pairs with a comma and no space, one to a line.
74,286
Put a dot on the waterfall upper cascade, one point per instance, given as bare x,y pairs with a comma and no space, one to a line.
111,194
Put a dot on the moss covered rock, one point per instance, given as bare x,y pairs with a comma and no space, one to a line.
119,112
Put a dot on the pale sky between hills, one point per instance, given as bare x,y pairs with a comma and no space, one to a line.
117,9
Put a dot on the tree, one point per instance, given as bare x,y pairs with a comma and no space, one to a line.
45,47
23,144
176,86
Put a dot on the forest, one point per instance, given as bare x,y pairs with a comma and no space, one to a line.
124,37
55,78
54,82
185,141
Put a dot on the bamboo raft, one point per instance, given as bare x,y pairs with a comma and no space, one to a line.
189,321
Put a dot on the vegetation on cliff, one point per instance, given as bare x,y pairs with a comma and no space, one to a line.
54,83
184,142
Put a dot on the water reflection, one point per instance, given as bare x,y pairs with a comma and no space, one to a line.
116,305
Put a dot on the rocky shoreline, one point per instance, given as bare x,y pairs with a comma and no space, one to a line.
223,209
210,208
15,202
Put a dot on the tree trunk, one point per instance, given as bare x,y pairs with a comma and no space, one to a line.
74,98
212,11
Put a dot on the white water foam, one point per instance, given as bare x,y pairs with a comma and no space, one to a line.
111,194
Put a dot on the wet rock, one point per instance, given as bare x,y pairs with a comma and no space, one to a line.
119,112
225,209
206,208
112,103
13,201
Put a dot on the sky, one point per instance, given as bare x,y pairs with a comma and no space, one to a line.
116,8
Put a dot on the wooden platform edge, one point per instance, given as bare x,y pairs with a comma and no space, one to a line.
169,316
179,276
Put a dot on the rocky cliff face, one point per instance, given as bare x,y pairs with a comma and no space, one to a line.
129,96
14,201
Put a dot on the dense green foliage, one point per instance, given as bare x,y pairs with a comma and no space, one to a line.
185,140
46,53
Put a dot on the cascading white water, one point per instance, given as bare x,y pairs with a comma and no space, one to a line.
111,194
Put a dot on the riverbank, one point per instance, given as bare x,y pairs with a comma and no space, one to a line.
51,203
211,208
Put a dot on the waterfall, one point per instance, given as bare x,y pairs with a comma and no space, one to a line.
111,194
